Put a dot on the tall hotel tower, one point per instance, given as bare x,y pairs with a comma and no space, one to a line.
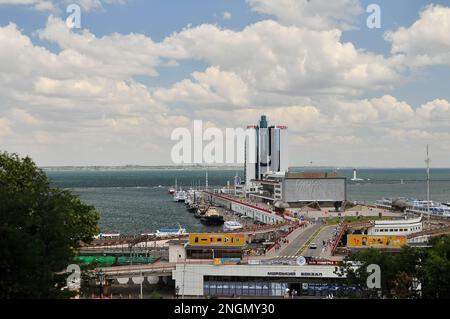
270,144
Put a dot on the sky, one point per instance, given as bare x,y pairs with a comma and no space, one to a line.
113,91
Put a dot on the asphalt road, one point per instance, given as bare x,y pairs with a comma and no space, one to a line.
297,243
324,235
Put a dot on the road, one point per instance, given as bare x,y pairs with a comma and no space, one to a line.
324,235
292,248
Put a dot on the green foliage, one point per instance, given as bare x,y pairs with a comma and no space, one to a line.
436,269
353,219
155,295
40,229
399,271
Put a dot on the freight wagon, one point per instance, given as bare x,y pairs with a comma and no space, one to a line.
108,261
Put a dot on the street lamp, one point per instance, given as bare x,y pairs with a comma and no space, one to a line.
101,276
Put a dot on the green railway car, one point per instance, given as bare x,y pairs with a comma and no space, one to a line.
135,260
102,261
108,261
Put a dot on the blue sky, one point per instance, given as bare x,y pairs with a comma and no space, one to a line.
400,95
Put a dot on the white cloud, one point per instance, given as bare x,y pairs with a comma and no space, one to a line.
5,128
210,88
274,58
227,15
437,110
40,5
386,110
426,41
82,104
24,117
60,5
116,55
313,14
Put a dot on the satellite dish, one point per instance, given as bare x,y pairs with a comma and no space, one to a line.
301,261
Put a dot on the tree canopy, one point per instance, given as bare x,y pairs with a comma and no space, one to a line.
401,271
40,229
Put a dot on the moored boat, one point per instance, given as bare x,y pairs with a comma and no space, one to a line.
232,225
212,217
166,232
179,196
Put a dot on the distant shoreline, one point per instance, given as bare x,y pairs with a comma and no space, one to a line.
136,167
224,167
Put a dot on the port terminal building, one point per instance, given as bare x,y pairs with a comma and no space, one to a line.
298,189
203,280
244,208
213,265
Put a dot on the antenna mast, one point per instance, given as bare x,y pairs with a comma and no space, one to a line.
427,161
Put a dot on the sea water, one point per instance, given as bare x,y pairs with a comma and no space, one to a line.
134,201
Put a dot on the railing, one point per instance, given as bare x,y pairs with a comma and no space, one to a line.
138,269
369,223
432,232
288,233
341,233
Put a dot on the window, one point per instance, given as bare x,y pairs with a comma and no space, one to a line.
196,239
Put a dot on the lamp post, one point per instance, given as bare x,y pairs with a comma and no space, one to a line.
101,276
141,280
427,161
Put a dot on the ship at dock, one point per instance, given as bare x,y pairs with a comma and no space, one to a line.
212,217
201,209
179,196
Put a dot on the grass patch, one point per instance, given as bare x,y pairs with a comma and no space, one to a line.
352,219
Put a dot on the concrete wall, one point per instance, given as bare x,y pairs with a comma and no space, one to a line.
188,279
177,253
267,218
314,189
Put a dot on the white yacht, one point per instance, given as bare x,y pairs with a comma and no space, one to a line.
435,208
165,232
179,196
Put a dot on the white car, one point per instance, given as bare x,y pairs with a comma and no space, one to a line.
313,246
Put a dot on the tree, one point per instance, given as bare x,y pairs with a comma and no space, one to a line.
40,229
357,275
398,271
436,269
402,286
